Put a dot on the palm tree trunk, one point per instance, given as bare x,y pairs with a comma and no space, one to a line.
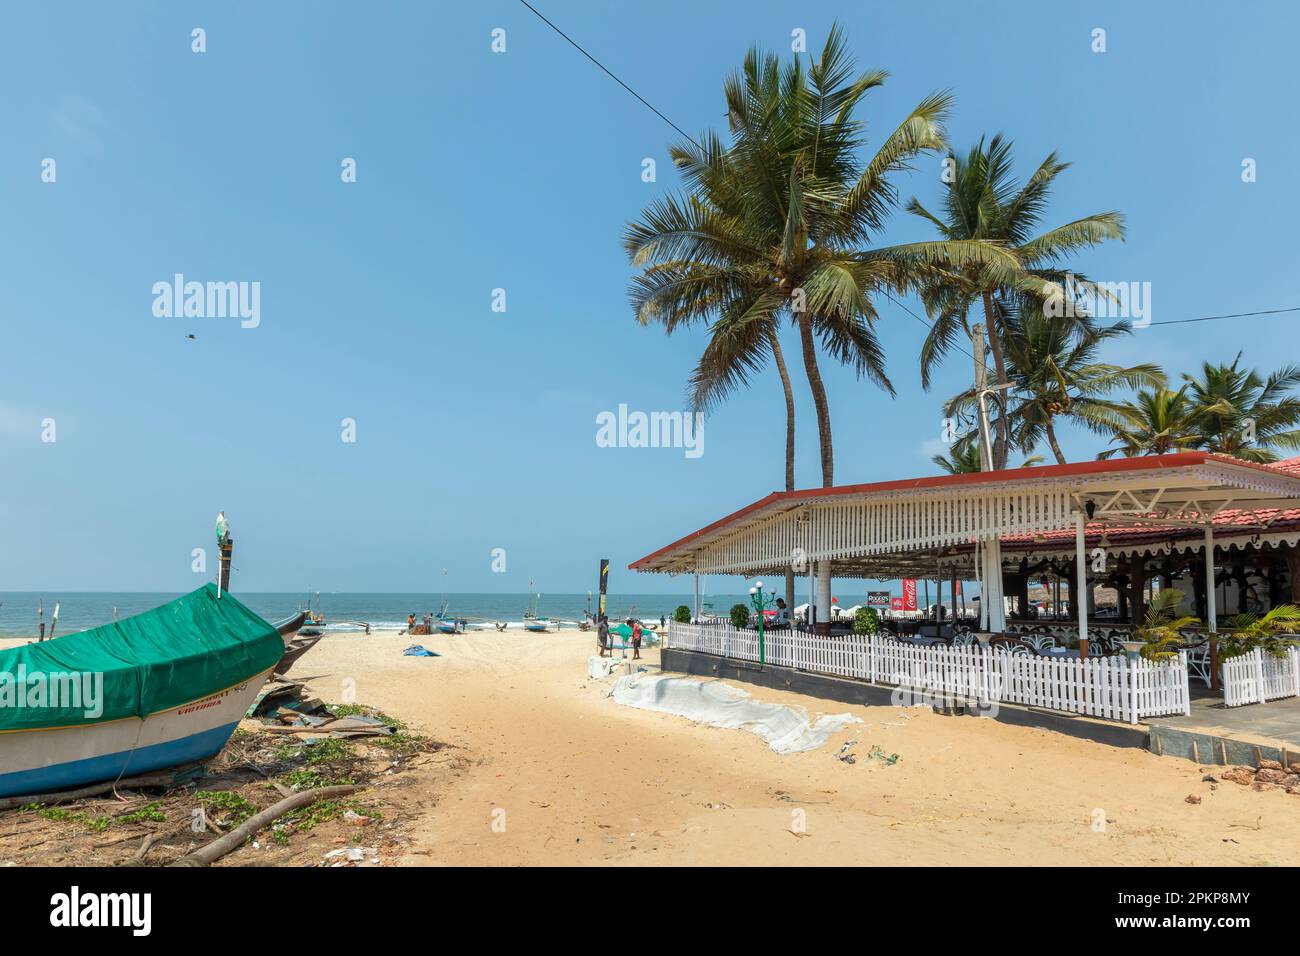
1003,440
1051,440
819,399
779,358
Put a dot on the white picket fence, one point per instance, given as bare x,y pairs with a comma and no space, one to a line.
1257,677
1114,688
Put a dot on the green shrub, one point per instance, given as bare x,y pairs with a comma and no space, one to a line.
866,621
682,615
739,615
1270,633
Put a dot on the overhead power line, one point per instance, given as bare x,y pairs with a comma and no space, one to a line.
648,105
1232,315
607,72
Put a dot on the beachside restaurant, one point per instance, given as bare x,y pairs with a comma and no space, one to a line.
1223,531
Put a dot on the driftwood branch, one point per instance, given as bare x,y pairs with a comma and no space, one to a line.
153,780
233,840
146,845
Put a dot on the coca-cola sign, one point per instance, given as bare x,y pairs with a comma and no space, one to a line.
909,594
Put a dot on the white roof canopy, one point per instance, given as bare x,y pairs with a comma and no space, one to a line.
898,528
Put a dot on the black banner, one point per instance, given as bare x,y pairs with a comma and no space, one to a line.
604,585
167,905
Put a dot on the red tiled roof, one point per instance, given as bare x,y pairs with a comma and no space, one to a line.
1226,520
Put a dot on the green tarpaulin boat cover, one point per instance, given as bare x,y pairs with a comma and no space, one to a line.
183,651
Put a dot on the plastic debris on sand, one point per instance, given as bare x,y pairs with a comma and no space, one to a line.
419,650
786,729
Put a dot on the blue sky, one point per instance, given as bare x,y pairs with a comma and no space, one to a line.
476,429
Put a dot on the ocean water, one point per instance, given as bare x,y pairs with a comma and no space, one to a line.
81,610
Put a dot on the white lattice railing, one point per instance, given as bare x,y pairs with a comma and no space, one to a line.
1256,677
1114,688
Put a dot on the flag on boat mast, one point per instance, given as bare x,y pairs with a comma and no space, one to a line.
225,548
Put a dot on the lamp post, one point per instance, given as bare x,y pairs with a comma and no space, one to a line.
760,604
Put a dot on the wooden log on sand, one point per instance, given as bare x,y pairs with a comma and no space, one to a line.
151,780
209,854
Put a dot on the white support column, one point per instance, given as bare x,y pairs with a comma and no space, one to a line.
1079,593
984,588
812,598
1211,611
993,611
823,594
697,598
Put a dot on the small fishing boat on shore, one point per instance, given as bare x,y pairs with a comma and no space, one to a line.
291,625
533,621
161,689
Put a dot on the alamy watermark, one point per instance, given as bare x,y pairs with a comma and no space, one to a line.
77,909
1102,300
977,690
651,430
83,690
210,300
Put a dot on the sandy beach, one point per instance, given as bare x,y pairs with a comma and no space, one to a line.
569,777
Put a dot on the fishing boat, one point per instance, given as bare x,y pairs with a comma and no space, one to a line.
162,689
445,623
314,617
291,625
533,621
294,649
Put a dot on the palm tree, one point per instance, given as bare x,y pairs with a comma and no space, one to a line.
983,202
779,223
1154,422
1054,371
721,286
963,457
1244,415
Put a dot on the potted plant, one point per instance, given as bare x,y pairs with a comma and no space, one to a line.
1264,632
682,615
1160,630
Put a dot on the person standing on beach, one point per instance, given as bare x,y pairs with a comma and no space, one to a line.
636,639
602,634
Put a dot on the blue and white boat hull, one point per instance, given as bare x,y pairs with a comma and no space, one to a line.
56,758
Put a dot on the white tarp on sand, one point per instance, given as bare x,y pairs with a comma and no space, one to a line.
786,729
